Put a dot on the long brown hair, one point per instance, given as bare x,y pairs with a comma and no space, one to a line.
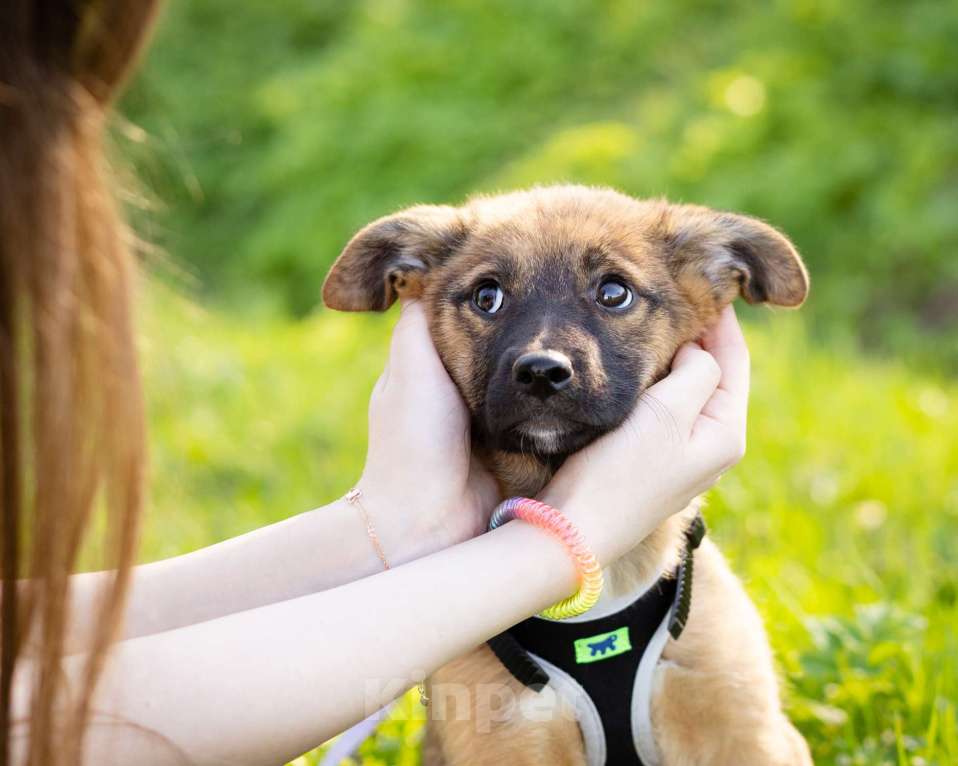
71,416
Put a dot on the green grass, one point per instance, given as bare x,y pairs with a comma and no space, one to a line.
842,519
277,129
268,132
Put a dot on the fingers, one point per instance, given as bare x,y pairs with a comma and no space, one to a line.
410,350
729,403
412,354
411,333
716,446
686,389
726,343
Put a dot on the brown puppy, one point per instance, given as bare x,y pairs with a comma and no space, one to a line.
553,309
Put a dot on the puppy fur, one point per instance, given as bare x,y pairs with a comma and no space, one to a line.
716,697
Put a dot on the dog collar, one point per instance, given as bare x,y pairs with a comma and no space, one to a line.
605,665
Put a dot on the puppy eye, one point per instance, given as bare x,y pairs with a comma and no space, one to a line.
612,294
488,297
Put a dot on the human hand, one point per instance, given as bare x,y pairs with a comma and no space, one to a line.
684,433
421,484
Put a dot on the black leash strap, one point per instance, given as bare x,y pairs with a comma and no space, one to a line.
683,592
524,669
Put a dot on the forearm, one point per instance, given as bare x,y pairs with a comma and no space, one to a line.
307,553
266,685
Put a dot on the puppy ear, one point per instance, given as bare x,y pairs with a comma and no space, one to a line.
728,255
391,257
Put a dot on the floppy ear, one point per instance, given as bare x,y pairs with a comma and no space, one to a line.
391,257
729,255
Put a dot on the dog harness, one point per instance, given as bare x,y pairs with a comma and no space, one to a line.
604,666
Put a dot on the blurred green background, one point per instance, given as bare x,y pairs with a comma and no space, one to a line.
264,133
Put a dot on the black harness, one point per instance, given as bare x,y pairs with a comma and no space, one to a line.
603,655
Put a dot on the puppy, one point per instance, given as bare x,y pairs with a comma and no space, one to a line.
553,310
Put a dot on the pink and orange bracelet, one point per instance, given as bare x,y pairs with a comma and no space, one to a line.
553,521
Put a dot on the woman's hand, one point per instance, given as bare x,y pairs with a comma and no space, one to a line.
421,485
684,433
421,488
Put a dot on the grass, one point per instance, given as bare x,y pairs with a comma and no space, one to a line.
842,519
834,120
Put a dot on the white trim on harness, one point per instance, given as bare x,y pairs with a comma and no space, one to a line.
642,733
593,737
590,724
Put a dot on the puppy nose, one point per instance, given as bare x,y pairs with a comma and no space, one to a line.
542,373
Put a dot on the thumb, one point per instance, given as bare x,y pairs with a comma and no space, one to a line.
411,343
412,355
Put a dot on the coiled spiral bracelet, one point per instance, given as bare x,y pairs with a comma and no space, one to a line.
553,521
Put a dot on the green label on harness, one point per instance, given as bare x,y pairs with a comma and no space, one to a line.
602,646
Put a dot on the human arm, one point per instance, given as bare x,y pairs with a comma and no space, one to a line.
420,484
266,684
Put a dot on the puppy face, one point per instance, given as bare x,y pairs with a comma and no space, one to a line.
553,309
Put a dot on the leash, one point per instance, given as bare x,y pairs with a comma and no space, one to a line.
347,743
